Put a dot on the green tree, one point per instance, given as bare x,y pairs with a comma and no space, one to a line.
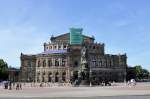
3,70
145,74
131,73
137,72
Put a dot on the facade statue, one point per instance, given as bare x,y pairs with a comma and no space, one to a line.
83,59
83,72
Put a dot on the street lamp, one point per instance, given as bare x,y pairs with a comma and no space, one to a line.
90,76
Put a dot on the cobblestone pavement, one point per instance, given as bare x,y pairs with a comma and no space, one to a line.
119,91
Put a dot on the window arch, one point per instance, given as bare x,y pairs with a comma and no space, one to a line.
39,63
56,62
43,77
44,63
94,47
50,77
38,76
50,47
59,47
49,62
43,73
47,47
94,63
55,47
76,63
64,46
63,62
56,77
64,76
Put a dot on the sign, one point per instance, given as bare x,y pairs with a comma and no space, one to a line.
76,36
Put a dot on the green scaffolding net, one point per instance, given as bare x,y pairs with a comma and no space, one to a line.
76,36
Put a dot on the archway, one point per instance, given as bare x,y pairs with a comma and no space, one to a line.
50,77
64,76
75,75
56,77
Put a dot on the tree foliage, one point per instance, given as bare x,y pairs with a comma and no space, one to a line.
3,70
131,73
137,72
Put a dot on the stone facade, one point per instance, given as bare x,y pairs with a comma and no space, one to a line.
61,62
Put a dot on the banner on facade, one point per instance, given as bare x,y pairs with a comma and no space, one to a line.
76,36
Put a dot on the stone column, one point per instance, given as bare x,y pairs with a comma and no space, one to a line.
60,76
46,76
53,76
53,62
60,63
68,75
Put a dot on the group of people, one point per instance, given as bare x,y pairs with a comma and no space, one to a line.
10,86
132,82
18,86
44,84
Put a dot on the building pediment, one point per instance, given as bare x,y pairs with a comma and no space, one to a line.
66,37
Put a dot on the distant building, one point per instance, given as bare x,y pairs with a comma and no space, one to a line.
68,55
13,74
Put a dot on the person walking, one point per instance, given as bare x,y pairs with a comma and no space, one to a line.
20,86
17,86
13,85
10,85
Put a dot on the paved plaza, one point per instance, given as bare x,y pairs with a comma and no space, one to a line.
66,92
100,97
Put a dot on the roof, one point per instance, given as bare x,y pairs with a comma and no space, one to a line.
54,52
66,36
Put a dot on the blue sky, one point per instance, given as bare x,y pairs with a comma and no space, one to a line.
123,25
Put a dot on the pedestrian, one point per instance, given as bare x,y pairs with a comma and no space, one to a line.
41,85
10,85
20,85
17,86
6,85
13,85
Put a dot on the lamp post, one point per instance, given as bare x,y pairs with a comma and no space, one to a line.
90,76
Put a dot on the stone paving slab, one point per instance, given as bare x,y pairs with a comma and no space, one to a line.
140,89
99,97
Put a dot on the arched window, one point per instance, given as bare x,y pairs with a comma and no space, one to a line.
44,63
75,63
50,47
50,77
39,63
56,77
94,63
64,76
43,73
93,47
65,46
29,63
56,62
38,77
43,77
75,75
59,47
55,47
47,47
49,62
38,73
63,62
